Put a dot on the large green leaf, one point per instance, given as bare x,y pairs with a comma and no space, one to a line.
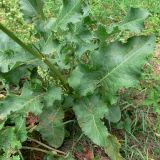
122,63
89,112
28,101
31,9
134,21
12,55
71,12
115,66
51,125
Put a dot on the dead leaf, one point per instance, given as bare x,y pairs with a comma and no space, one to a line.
88,155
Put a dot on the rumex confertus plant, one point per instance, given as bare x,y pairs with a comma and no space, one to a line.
83,72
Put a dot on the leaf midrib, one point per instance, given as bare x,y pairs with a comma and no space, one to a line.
31,100
19,107
137,20
95,119
123,62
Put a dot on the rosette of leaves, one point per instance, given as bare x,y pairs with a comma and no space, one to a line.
86,68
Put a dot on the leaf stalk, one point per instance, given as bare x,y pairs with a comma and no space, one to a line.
46,146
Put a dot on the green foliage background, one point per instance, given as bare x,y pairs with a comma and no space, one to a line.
106,12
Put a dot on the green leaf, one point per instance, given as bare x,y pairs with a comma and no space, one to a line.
101,32
52,94
50,45
114,114
45,26
134,20
89,112
16,74
71,12
20,128
82,80
112,148
117,65
11,54
31,9
83,38
28,101
8,139
51,125
121,63
75,43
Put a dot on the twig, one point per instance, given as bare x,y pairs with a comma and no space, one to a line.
36,149
70,121
74,144
20,154
46,146
31,128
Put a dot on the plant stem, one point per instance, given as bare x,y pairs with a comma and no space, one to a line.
36,149
69,121
54,71
20,154
74,144
46,146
